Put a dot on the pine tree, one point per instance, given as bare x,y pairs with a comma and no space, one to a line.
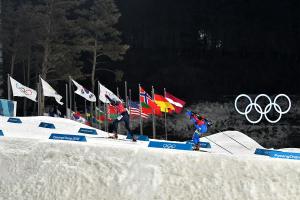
53,28
96,33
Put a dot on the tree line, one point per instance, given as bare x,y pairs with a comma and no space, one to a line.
59,38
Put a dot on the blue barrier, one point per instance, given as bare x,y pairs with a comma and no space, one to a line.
46,125
202,144
87,131
79,138
1,133
263,152
170,145
14,120
139,137
278,154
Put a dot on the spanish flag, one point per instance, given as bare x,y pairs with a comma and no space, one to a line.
163,103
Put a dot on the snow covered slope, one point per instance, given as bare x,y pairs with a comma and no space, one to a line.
30,127
231,142
33,167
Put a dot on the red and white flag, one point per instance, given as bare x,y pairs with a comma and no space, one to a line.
177,103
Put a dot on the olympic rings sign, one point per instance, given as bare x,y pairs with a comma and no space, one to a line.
169,146
260,110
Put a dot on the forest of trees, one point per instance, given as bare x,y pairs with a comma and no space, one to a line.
59,38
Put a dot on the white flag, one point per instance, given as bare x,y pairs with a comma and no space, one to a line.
84,92
104,91
48,91
20,90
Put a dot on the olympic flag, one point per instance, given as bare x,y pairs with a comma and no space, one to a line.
20,90
48,91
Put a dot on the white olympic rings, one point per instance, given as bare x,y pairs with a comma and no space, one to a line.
260,110
169,146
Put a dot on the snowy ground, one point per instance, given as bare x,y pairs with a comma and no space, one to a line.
34,167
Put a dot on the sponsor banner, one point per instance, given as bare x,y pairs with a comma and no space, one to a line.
278,154
202,144
170,145
46,125
139,137
1,133
78,138
14,120
285,155
87,131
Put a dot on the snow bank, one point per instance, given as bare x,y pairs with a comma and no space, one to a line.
35,169
30,127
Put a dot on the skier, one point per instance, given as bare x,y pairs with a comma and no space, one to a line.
122,116
201,124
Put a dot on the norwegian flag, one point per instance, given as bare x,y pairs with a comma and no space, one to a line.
145,98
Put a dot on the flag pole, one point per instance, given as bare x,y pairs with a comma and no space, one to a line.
70,94
95,104
39,97
129,94
106,116
141,121
41,100
118,95
126,95
67,103
130,125
153,116
126,102
75,106
8,88
166,132
99,104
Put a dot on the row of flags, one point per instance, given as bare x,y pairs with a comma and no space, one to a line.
145,107
20,90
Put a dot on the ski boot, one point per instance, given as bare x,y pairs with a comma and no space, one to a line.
115,136
134,138
196,147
